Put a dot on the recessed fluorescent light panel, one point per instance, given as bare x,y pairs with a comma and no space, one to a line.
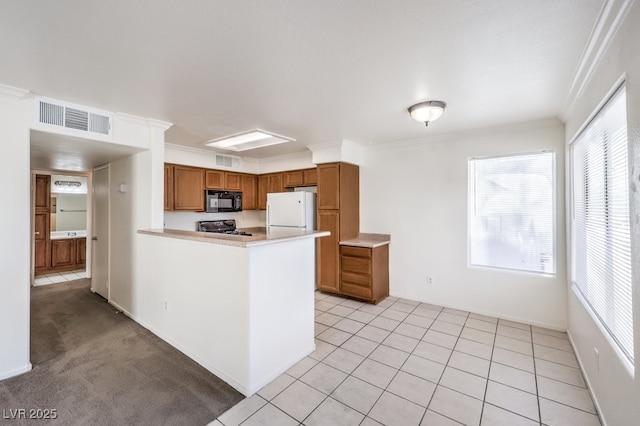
248,140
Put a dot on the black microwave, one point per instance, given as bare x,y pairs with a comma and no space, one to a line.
222,201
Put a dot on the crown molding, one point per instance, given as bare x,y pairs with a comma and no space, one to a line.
604,30
159,124
130,118
12,92
452,137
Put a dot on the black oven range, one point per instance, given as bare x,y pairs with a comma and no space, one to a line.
227,226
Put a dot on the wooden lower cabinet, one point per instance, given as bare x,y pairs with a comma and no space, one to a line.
41,263
42,259
63,252
81,251
364,272
68,254
328,261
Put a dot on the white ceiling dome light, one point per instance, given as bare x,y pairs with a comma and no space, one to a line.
428,111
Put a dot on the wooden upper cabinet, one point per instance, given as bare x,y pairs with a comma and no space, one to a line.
263,188
214,179
43,193
270,182
302,177
249,187
218,179
328,186
293,178
310,177
276,183
232,181
168,187
188,188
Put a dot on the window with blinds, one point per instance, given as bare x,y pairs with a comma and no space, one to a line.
600,237
511,212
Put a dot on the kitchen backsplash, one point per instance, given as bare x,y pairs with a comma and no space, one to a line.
187,220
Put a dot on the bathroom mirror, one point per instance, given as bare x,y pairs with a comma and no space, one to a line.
68,203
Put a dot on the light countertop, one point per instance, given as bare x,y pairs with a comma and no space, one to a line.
60,235
259,237
367,240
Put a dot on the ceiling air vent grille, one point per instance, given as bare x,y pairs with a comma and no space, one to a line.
76,119
224,161
51,114
99,124
73,117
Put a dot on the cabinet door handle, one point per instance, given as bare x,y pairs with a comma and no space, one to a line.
94,239
38,233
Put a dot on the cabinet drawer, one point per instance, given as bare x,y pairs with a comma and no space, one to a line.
359,279
358,265
355,251
355,290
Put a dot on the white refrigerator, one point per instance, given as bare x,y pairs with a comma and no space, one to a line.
291,210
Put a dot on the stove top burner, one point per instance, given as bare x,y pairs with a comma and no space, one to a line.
227,226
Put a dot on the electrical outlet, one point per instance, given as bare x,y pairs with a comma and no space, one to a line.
166,305
429,280
596,358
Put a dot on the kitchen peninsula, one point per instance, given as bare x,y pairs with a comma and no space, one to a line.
241,306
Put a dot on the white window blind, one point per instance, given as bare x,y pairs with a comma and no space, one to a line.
511,212
600,237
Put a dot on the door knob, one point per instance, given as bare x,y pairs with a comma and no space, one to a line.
94,239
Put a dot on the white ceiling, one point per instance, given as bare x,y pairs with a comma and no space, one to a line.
317,71
50,151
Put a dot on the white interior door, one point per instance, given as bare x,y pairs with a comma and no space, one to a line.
100,237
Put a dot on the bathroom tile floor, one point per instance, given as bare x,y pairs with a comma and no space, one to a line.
403,362
60,277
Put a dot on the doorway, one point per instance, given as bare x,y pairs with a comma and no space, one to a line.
60,204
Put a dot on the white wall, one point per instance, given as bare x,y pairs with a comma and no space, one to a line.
187,220
417,192
139,207
15,244
189,156
616,390
286,162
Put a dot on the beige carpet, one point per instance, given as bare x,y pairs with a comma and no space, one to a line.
96,366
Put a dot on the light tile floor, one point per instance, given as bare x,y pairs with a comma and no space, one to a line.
60,277
407,363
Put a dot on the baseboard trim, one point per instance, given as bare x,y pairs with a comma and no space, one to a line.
15,371
596,403
234,384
